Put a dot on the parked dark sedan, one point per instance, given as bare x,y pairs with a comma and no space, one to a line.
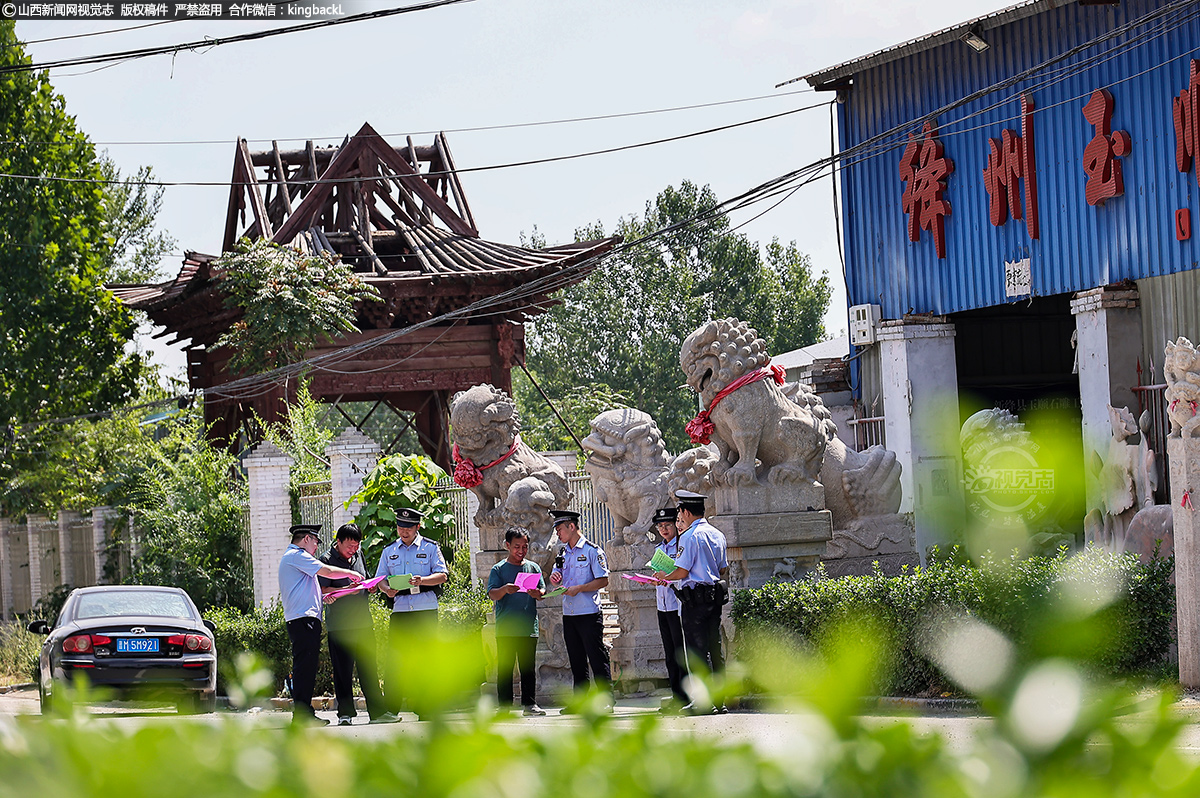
137,641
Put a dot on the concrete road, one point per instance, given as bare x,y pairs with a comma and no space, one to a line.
771,732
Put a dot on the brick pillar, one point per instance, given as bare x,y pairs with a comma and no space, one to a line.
1108,327
920,408
66,547
98,542
267,470
6,572
351,455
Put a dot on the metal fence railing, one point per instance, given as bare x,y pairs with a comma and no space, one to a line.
867,432
316,502
1152,398
458,497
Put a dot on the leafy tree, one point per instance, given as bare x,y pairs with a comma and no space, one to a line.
396,482
130,208
62,335
621,329
578,406
290,301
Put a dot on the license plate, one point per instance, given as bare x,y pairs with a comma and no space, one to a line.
137,645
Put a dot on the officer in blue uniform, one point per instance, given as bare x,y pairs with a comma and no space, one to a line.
302,605
414,611
580,566
700,569
669,625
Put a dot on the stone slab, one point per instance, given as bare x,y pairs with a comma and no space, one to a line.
772,528
758,499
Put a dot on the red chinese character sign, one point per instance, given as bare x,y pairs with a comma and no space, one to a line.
1186,110
1100,156
924,169
1011,161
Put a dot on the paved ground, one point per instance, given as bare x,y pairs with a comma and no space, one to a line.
769,731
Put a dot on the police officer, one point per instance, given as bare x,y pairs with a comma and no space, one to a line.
414,611
580,566
298,572
351,635
669,624
700,568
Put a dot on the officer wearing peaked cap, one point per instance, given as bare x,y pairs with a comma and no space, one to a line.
414,609
701,568
302,605
669,624
581,568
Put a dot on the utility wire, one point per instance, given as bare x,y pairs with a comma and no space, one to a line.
476,129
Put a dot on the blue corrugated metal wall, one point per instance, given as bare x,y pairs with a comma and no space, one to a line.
1080,246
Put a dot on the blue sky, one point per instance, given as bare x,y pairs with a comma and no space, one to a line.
495,62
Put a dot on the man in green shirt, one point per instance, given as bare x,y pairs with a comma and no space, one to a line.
516,621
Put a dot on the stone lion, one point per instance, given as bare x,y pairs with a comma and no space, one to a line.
1181,368
628,464
760,434
857,484
484,426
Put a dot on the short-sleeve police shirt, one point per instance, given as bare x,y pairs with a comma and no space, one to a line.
423,557
702,552
298,584
581,565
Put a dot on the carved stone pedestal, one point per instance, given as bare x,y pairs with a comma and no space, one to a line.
762,545
637,652
889,540
1184,457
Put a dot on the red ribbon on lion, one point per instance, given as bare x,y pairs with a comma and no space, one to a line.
700,428
469,475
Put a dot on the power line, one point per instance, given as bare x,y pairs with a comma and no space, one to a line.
476,129
210,43
461,170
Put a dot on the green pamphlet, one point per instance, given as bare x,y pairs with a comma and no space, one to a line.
661,563
400,582
558,591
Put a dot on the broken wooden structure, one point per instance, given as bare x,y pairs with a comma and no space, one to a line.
399,215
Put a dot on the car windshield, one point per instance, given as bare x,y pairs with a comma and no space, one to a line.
132,602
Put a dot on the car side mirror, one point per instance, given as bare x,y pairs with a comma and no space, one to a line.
212,627
39,627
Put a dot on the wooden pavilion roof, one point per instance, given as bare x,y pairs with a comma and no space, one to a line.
398,215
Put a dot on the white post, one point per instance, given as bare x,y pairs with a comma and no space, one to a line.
6,572
33,526
1183,455
351,455
101,517
267,470
920,408
66,547
1108,327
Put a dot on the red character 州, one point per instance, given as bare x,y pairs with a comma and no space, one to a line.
924,170
1100,163
1011,161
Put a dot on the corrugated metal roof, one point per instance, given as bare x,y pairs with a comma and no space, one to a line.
926,42
1081,246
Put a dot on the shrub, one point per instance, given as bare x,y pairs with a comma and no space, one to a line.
19,652
1112,613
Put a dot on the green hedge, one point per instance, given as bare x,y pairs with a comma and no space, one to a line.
1112,613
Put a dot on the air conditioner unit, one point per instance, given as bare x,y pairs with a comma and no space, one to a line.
864,321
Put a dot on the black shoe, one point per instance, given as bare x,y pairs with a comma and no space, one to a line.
309,720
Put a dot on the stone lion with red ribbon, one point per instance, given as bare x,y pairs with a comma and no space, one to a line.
761,435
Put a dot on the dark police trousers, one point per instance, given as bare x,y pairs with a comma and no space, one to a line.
671,629
305,634
702,634
521,650
584,635
406,630
349,648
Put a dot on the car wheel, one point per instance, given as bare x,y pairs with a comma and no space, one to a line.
197,704
44,700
